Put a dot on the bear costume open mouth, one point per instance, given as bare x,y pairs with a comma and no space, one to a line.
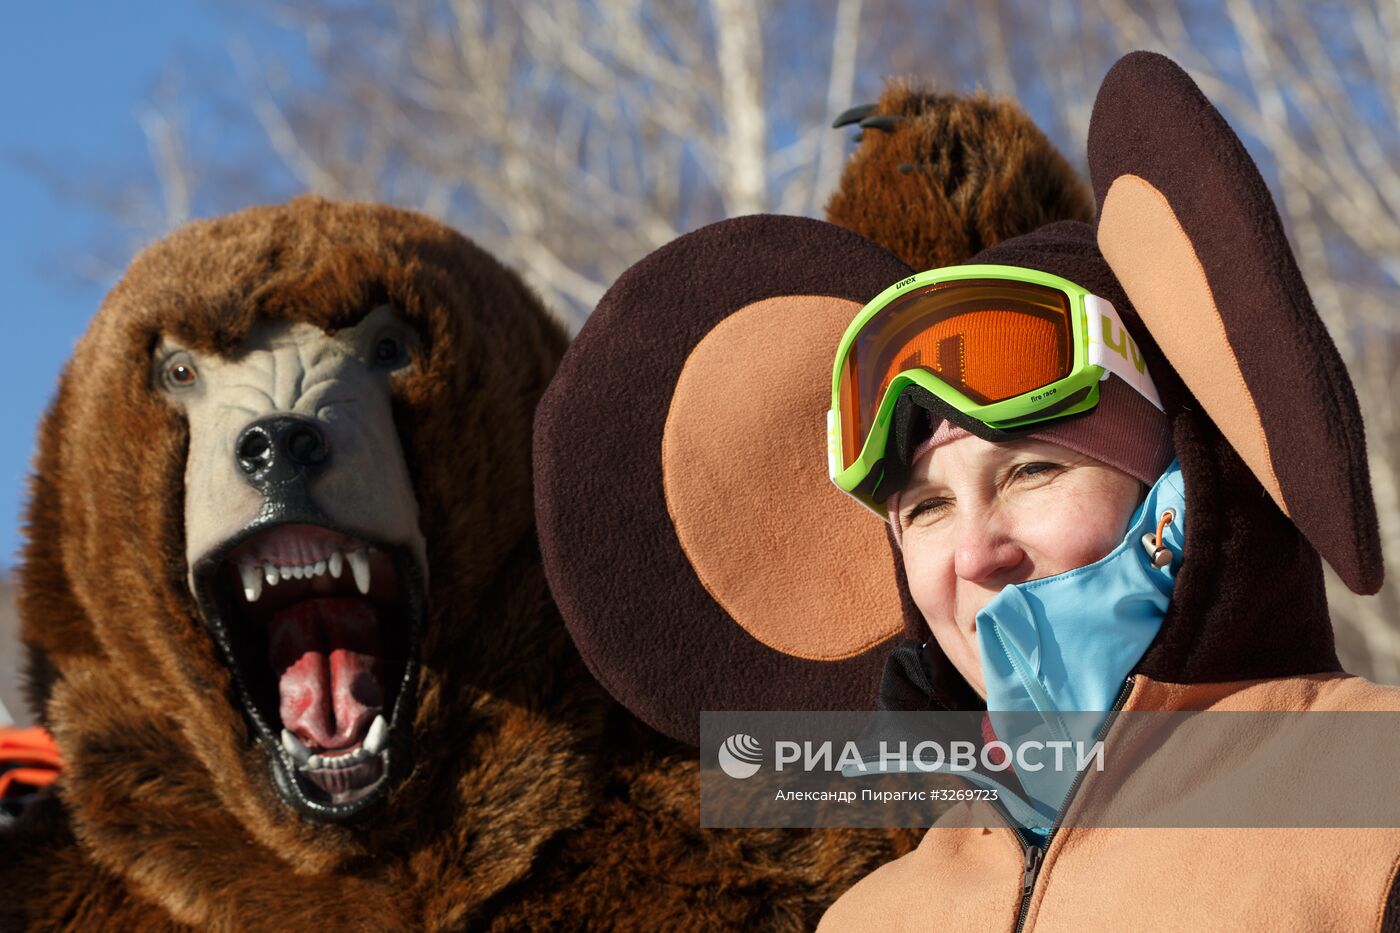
320,627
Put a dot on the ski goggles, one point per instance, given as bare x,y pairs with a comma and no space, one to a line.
997,350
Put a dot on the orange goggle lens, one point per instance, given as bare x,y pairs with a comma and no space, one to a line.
990,340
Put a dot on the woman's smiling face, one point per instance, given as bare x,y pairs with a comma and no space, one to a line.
977,516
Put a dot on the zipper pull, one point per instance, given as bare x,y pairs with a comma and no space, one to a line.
1158,554
1033,857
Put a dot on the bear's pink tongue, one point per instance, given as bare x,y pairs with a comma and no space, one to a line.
326,654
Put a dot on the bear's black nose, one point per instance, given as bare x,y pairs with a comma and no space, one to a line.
280,450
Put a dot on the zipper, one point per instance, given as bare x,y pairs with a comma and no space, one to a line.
1035,854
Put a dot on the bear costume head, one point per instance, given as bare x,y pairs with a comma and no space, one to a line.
281,593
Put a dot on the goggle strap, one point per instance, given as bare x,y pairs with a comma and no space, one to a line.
1113,349
833,445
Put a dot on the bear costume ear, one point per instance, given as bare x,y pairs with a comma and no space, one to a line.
697,550
1189,228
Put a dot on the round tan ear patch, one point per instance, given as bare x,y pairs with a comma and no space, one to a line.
796,563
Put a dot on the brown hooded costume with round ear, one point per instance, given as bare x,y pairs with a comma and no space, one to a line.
208,486
778,590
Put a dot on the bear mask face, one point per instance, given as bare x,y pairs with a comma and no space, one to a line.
303,545
295,384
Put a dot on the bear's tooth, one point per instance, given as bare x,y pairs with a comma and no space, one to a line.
270,571
293,745
252,581
318,568
359,566
336,564
315,763
374,738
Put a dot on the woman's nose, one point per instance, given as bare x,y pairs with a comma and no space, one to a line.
985,551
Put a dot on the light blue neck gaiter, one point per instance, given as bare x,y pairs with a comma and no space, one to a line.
1064,644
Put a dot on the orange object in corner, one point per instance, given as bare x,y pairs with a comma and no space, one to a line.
28,757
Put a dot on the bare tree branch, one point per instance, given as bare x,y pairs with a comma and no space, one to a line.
741,74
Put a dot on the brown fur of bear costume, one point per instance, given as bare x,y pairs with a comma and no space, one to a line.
530,798
939,177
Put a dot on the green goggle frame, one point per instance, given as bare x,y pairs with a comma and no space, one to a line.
1099,346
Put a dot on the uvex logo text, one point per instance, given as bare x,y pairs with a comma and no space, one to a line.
1115,338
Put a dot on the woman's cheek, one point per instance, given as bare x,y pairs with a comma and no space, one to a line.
1059,527
1078,523
926,575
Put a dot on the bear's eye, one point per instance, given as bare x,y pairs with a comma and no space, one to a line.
180,374
387,351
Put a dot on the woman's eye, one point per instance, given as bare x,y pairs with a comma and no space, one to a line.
928,508
180,374
1034,469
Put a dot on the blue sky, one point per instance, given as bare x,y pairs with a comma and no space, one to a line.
75,76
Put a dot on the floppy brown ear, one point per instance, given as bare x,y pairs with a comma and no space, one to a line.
1191,232
699,554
